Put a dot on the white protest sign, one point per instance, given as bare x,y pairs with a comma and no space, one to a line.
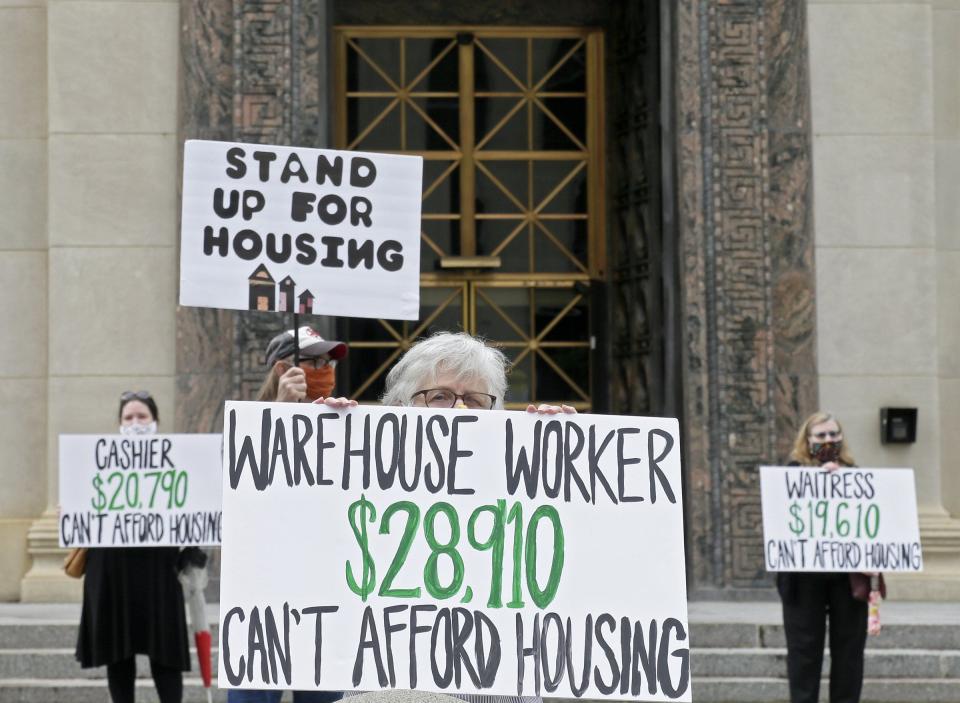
140,491
453,551
847,520
290,229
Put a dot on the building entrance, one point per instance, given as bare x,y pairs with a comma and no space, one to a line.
509,122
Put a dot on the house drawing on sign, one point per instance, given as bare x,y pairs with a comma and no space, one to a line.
287,302
306,303
262,289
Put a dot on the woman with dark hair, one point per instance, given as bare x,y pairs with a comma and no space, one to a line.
809,598
132,600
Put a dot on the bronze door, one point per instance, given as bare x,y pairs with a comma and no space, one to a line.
509,122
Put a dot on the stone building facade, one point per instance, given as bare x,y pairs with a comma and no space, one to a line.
779,212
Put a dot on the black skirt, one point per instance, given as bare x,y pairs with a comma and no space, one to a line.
133,604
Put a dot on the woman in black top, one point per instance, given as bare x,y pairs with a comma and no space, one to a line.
810,598
132,600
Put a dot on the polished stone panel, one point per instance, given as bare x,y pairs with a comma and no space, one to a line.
874,191
23,435
23,194
949,390
23,80
877,311
120,320
947,210
948,315
23,316
872,66
113,67
113,190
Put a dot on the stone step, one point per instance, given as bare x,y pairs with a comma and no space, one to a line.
52,635
706,662
724,663
703,634
94,691
897,636
50,663
705,690
774,690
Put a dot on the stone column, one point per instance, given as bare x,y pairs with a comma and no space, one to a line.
746,253
887,335
23,270
111,127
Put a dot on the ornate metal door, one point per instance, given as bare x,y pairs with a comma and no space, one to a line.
509,122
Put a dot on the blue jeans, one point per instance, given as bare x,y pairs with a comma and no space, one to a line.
236,695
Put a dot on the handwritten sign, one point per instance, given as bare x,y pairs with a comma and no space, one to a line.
453,551
290,229
140,491
847,520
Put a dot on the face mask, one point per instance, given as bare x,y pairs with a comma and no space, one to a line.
138,429
320,382
826,451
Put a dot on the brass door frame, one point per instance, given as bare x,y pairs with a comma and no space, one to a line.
469,157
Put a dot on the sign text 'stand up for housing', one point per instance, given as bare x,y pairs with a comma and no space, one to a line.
291,229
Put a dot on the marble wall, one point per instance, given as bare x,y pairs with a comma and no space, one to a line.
23,270
743,191
885,95
88,125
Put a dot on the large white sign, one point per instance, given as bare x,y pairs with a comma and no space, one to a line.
292,229
847,520
140,491
444,550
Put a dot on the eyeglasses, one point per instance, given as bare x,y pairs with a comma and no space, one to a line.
318,362
446,398
135,395
823,435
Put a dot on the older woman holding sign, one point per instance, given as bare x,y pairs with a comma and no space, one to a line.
808,597
456,370
453,370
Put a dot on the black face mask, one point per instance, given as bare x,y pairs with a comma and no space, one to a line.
826,451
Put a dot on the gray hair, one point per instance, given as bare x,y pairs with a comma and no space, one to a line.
456,353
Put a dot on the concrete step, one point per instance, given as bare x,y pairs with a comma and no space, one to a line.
896,636
51,663
705,690
50,635
706,662
92,691
773,690
702,634
771,662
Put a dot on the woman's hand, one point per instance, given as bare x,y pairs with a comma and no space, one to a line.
830,466
544,409
336,402
292,386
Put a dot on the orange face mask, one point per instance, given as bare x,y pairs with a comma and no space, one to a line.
320,382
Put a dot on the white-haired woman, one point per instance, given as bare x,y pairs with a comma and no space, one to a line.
453,370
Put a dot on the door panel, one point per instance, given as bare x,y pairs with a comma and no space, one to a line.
509,124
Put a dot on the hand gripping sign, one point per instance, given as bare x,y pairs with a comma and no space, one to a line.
453,551
298,230
140,490
862,520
